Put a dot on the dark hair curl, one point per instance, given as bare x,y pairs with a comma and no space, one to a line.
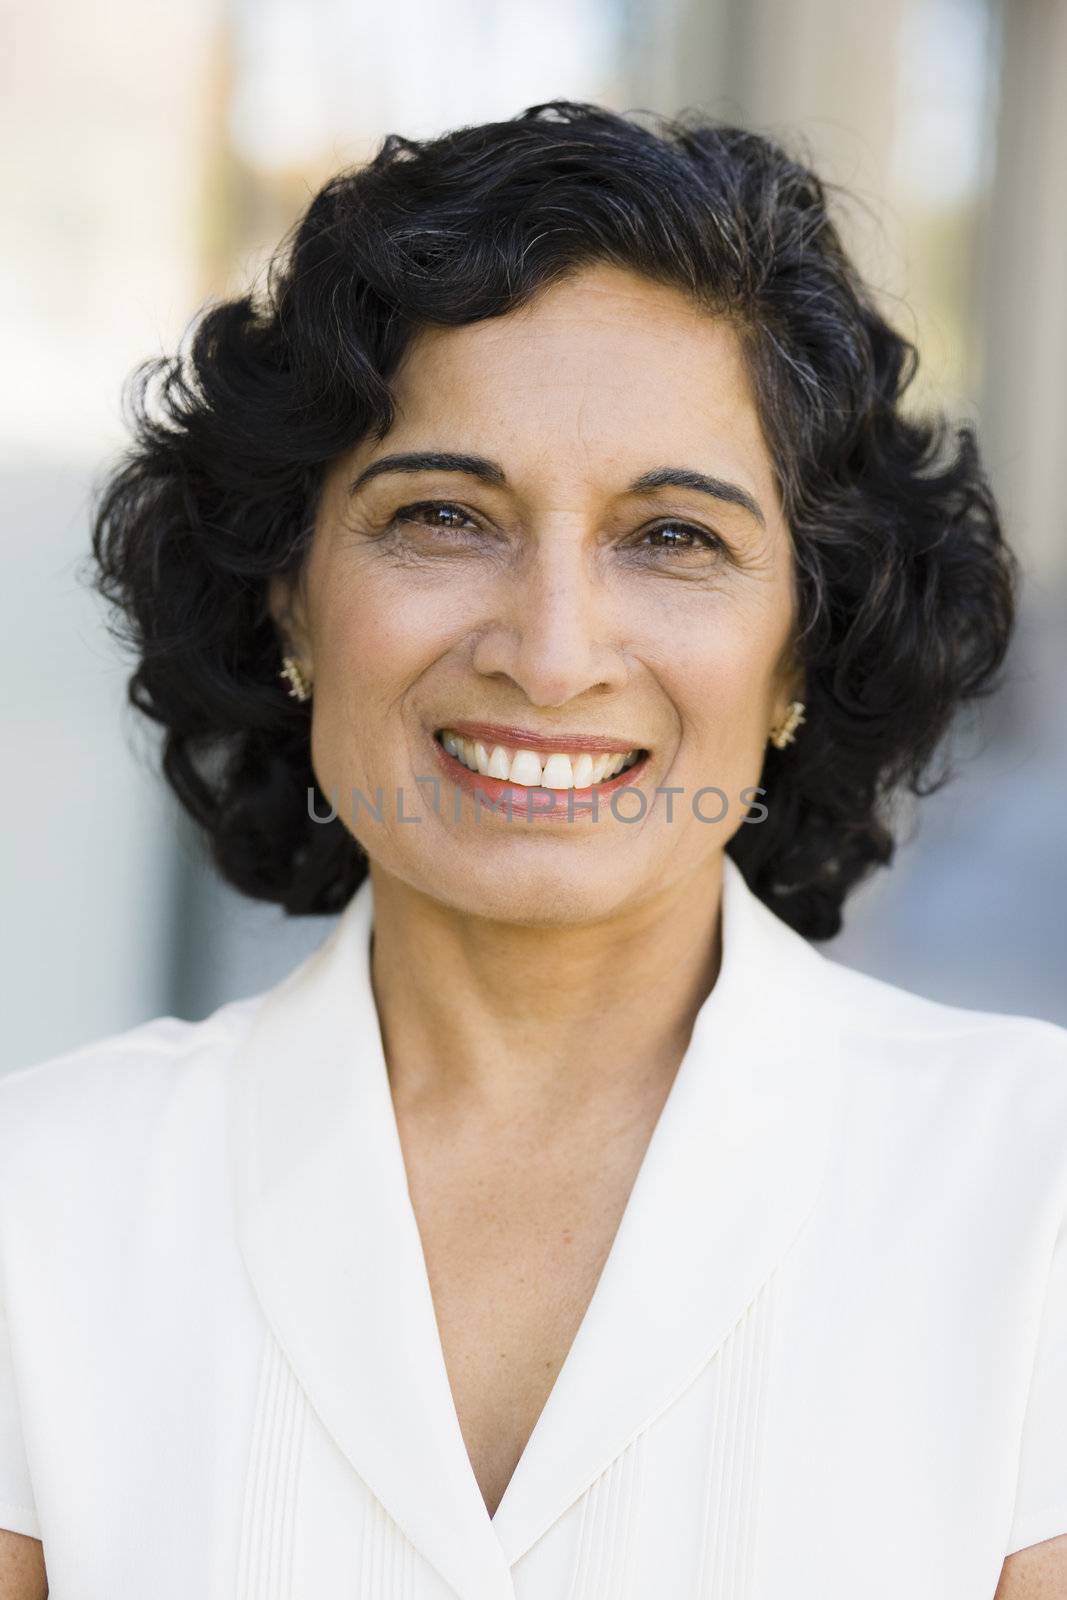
906,589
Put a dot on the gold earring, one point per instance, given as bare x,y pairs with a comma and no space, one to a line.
300,685
784,734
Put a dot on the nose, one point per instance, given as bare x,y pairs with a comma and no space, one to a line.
553,629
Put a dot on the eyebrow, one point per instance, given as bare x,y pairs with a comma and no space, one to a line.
489,472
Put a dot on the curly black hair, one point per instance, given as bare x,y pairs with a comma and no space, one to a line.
906,588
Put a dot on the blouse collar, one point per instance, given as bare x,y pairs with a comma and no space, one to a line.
329,1236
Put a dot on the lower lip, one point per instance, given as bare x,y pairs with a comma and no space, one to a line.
530,802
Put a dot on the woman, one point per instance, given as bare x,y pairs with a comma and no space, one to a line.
546,578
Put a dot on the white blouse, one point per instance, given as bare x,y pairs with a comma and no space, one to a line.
826,1357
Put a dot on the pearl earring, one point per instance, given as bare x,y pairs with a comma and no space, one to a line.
785,732
300,685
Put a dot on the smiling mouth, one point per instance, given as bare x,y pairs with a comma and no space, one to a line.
529,768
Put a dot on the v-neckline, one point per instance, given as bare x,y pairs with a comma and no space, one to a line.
332,1245
633,1173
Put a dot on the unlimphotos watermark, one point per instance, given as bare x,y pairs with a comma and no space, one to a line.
709,803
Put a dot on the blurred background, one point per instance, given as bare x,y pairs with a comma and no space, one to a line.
154,155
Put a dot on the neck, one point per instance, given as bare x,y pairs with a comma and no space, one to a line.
503,1018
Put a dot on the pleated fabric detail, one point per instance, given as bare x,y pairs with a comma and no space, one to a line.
265,1563
387,1565
604,1567
738,1413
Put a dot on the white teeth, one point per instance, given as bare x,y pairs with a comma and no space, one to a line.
558,773
583,771
525,767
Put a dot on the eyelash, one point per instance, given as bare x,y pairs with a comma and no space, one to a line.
406,514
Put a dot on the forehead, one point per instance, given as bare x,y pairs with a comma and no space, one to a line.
597,373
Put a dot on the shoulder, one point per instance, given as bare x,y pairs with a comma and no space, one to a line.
102,1100
911,1029
883,1026
989,1086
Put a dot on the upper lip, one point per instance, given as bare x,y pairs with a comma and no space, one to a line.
491,733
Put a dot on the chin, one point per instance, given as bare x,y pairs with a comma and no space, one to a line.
530,889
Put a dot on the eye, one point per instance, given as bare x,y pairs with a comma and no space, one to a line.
680,538
438,515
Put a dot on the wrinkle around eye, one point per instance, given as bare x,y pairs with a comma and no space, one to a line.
702,553
408,536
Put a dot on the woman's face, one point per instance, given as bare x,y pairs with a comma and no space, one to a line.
562,571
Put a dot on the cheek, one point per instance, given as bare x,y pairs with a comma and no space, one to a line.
719,675
375,637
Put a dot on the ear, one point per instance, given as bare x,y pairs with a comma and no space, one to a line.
792,685
795,689
285,601
782,711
